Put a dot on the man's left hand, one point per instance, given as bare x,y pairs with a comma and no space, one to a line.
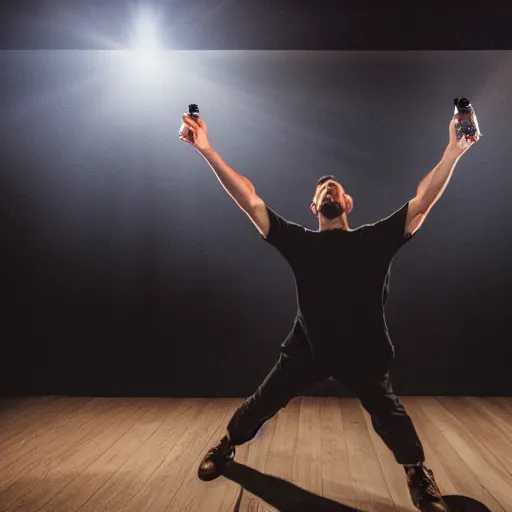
463,144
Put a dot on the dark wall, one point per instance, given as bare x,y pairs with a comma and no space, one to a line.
128,270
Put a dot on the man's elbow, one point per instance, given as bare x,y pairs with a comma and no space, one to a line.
417,212
257,212
419,205
255,201
414,225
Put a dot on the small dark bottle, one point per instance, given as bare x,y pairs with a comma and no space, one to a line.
193,110
465,120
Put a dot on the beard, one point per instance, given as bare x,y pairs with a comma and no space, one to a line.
331,209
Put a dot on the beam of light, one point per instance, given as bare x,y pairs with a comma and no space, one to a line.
146,48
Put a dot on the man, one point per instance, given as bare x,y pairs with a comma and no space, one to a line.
341,277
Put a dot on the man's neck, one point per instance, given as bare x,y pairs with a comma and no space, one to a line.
325,224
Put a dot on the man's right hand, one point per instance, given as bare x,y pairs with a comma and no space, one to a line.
199,132
237,186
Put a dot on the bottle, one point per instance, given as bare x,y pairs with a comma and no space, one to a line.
465,120
193,110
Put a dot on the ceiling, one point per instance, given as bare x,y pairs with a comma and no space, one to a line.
261,25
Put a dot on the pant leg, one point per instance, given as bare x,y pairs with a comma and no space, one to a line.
389,417
289,376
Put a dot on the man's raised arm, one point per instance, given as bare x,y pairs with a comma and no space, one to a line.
435,182
240,189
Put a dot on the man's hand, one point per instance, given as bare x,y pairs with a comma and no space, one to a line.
238,187
434,183
199,132
460,146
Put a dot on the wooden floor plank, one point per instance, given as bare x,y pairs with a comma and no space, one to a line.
197,496
282,446
501,418
60,468
458,478
485,467
370,488
336,478
124,461
491,502
171,474
483,429
15,409
256,458
17,439
307,461
506,402
15,422
64,454
21,458
281,451
89,483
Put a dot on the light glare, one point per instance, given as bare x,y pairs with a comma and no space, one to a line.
146,47
146,39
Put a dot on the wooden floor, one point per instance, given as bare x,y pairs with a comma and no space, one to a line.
138,454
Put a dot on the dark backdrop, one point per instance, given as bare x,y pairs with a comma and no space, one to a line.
128,270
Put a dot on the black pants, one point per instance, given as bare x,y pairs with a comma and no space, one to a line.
371,383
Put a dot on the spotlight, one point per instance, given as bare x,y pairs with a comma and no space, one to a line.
146,46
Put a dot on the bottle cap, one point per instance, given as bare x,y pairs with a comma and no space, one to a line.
461,102
193,109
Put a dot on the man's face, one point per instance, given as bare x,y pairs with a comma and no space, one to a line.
330,199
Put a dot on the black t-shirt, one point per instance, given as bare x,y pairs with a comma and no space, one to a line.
341,280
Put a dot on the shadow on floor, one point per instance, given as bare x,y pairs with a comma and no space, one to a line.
288,497
281,494
463,504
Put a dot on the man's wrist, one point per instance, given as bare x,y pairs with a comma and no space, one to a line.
207,152
453,152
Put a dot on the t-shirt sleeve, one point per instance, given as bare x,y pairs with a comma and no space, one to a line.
390,231
284,235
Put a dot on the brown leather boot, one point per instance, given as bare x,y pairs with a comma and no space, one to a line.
214,462
425,494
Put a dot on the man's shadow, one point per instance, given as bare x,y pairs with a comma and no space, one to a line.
287,497
281,494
